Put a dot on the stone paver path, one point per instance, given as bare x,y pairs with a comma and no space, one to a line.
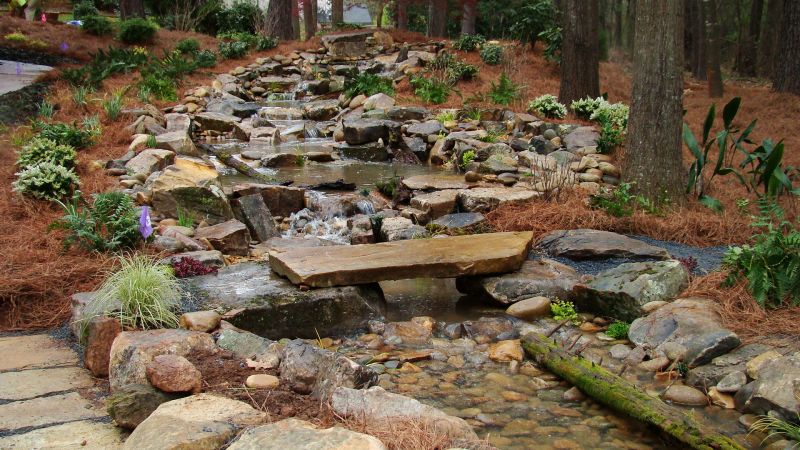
48,401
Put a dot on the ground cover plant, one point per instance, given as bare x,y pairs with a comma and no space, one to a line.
109,223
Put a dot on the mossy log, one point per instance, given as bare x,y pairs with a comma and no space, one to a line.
622,396
227,158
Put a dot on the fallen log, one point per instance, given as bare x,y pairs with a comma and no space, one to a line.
227,158
622,396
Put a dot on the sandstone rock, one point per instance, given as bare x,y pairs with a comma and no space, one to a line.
132,351
131,404
216,121
489,329
530,308
774,389
685,395
299,435
435,182
721,366
253,212
541,277
620,292
457,221
311,370
178,142
376,406
405,113
425,129
378,101
201,421
692,323
231,237
280,200
591,244
409,333
243,344
505,351
173,373
400,228
371,152
149,161
100,334
363,131
321,110
262,381
619,351
732,382
436,204
194,188
200,321
580,138
487,199
655,364
754,366
721,399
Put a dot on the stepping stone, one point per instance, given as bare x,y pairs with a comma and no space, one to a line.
592,244
449,257
84,435
46,410
35,351
27,384
436,182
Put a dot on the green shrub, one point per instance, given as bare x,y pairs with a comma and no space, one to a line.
388,186
492,54
564,310
466,159
46,110
771,264
141,293
431,90
469,42
532,20
266,42
459,70
233,49
109,224
40,150
137,31
618,330
552,37
549,106
446,116
84,9
505,91
585,107
253,41
615,114
46,181
161,88
188,46
79,95
367,84
97,26
205,59
620,202
611,137
64,134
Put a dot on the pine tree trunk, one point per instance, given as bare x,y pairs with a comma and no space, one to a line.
580,52
437,18
379,15
402,15
129,9
749,52
468,17
714,50
768,44
653,155
279,19
308,20
337,13
314,10
618,24
295,20
631,24
786,77
698,26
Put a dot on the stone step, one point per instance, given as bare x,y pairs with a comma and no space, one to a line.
449,257
47,410
83,435
34,351
27,384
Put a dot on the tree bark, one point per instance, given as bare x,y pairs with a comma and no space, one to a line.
786,77
750,51
379,15
653,157
580,52
279,19
308,20
337,13
714,48
698,44
314,10
402,14
622,396
295,20
768,44
129,9
468,16
437,18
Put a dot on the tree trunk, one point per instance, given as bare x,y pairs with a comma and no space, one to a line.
379,15
468,17
654,149
129,9
227,158
308,20
769,39
698,26
580,52
631,25
619,394
618,24
402,14
750,51
714,50
279,19
314,10
786,77
295,20
437,18
337,13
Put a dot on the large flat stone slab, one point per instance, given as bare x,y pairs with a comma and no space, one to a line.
46,410
82,435
454,256
436,182
34,351
594,244
27,384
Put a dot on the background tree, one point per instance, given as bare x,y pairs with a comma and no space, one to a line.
653,156
279,19
308,20
748,53
469,9
695,36
786,76
295,20
131,8
337,12
714,49
401,14
437,18
580,51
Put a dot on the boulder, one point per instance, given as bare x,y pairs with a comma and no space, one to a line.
230,238
436,204
692,323
178,142
149,161
539,277
593,244
497,165
580,138
622,291
296,434
425,129
406,113
274,83
321,110
205,321
721,366
307,369
347,45
400,228
274,160
458,221
487,199
364,131
378,101
132,351
685,395
435,182
131,404
214,121
247,345
530,308
100,334
201,421
173,373
252,210
376,408
280,200
250,293
372,152
194,188
774,389
178,122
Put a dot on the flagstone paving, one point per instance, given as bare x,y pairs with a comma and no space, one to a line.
48,401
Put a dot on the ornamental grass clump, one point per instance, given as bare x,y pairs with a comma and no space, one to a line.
140,293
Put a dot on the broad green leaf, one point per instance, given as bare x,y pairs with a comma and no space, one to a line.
709,122
730,110
691,142
692,177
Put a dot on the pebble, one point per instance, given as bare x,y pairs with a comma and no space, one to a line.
721,399
619,351
505,351
262,381
685,395
654,364
573,394
512,396
530,308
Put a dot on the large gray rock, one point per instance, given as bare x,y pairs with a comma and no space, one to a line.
591,244
375,406
280,200
622,291
300,435
259,301
177,141
424,129
132,404
194,188
692,323
231,237
253,212
311,370
372,152
364,131
712,373
201,421
774,389
541,277
580,138
149,161
487,199
436,204
405,113
214,121
321,109
457,221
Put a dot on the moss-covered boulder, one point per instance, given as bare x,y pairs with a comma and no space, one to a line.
194,188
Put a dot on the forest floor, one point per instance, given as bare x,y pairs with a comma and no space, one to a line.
37,277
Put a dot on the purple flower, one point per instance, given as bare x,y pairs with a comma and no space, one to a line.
64,46
145,227
19,69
